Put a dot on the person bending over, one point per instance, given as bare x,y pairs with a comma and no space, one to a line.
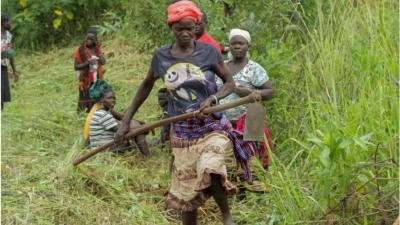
188,70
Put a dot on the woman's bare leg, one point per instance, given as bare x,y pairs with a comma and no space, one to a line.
140,140
142,145
221,198
189,218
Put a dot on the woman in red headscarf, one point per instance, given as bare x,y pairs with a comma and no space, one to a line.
188,70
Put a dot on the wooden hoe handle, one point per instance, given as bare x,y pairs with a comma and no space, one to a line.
254,96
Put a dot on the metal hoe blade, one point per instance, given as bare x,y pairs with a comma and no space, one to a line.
254,124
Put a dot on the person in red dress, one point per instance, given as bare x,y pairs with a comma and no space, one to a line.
204,37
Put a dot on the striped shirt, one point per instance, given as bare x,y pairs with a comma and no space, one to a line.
100,128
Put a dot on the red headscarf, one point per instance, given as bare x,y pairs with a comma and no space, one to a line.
183,10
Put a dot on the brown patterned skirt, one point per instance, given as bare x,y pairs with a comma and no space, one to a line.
194,161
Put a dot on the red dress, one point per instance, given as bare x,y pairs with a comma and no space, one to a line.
206,38
266,147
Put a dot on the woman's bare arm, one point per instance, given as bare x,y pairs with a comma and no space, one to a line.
267,92
229,85
102,59
117,115
141,95
80,66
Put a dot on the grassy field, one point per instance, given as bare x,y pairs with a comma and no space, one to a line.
334,120
41,134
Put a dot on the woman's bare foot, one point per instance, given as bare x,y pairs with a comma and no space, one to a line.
227,220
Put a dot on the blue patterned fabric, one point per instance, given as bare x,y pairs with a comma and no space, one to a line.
251,76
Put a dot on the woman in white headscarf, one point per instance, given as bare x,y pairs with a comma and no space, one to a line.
248,76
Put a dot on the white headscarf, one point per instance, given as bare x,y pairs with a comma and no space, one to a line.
240,32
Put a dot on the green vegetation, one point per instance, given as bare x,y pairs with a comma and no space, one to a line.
334,120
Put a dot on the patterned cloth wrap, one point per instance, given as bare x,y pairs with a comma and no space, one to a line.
6,51
252,76
198,128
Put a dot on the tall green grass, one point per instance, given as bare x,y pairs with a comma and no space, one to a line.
334,122
338,154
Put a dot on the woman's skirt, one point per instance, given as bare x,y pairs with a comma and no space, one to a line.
85,103
194,161
5,86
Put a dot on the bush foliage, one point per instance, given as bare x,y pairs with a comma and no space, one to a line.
39,24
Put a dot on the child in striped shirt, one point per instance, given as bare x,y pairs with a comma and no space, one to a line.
105,122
